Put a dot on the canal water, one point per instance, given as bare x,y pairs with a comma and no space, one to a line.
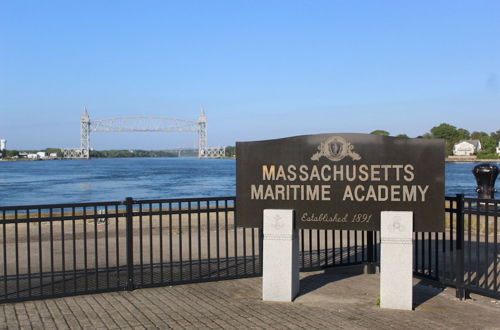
95,180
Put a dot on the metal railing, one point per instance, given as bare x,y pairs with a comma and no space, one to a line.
466,254
69,249
322,248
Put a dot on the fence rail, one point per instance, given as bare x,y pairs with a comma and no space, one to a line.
466,254
68,249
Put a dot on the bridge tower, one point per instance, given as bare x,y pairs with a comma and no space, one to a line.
202,135
85,134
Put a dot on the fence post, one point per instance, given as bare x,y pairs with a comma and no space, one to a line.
461,293
130,244
370,249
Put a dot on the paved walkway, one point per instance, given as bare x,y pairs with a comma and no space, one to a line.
327,300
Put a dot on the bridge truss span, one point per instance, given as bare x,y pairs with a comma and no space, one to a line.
143,124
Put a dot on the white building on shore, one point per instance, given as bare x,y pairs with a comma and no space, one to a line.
42,154
498,148
467,148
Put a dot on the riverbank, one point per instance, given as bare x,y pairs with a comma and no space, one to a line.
448,160
21,160
460,159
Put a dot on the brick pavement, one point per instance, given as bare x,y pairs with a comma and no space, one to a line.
328,300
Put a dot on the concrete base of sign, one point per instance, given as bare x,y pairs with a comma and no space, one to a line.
396,260
280,275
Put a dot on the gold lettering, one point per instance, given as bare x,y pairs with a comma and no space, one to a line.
281,173
294,187
356,189
395,193
325,192
324,176
371,194
268,173
269,193
409,176
386,193
340,173
303,173
386,171
348,193
375,172
423,192
312,193
292,174
363,171
314,174
280,192
398,171
352,175
409,194
256,193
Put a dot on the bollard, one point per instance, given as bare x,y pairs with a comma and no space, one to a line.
485,174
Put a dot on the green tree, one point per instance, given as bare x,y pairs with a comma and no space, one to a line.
404,136
54,150
463,134
496,135
478,135
380,132
488,144
450,134
444,131
11,153
426,136
485,155
447,132
231,151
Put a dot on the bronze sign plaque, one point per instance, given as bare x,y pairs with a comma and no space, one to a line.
341,181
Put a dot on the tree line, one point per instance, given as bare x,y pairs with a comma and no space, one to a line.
449,133
453,135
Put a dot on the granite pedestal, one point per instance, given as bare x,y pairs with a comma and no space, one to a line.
280,275
396,260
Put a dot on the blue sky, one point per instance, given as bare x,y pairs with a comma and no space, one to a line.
261,69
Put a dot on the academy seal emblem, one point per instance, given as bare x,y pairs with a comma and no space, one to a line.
335,149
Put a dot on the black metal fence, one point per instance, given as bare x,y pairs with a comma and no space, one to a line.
69,249
466,255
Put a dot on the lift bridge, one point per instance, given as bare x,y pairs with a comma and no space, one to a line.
143,124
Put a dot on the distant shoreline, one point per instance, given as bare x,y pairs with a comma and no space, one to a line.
471,160
40,160
447,160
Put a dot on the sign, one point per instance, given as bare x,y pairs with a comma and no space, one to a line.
341,181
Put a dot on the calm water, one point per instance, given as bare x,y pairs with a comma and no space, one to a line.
45,182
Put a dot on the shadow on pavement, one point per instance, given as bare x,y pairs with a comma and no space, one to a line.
425,290
313,282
